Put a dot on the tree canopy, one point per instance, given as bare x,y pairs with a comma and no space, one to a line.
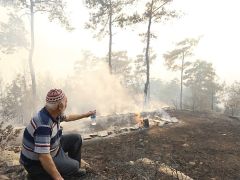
12,34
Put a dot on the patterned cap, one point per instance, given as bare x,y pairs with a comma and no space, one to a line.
54,95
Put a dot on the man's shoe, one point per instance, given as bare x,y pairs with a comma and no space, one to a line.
81,172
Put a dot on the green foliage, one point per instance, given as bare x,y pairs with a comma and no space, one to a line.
105,13
200,74
232,103
201,79
122,67
12,34
155,12
87,63
157,9
175,59
138,74
15,101
183,49
167,92
131,71
120,62
54,9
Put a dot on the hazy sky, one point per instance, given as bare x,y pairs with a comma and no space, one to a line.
217,21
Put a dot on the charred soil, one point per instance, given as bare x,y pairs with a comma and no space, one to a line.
201,146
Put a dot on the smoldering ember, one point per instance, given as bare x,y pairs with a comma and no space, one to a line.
172,145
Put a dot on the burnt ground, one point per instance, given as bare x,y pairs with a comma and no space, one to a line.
202,146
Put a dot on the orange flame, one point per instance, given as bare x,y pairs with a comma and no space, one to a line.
139,119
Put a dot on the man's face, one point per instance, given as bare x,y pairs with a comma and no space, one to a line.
63,105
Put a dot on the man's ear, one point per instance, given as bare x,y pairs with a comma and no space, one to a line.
60,106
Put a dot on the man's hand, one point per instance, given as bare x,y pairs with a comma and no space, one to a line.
60,178
48,164
90,113
74,117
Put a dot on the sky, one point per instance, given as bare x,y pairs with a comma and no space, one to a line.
56,49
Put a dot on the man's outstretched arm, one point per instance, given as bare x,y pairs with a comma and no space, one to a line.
49,166
74,117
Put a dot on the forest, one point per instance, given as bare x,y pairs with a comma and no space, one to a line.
115,81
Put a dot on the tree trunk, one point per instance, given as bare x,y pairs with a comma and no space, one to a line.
212,99
193,99
110,39
146,88
181,92
32,72
193,106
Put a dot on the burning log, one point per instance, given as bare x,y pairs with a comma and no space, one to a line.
139,119
145,123
141,122
118,124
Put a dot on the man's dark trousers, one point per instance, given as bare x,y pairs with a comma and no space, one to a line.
67,165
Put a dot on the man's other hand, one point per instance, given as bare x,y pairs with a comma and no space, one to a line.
90,113
48,164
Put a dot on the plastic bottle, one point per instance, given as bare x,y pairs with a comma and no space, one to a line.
93,119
